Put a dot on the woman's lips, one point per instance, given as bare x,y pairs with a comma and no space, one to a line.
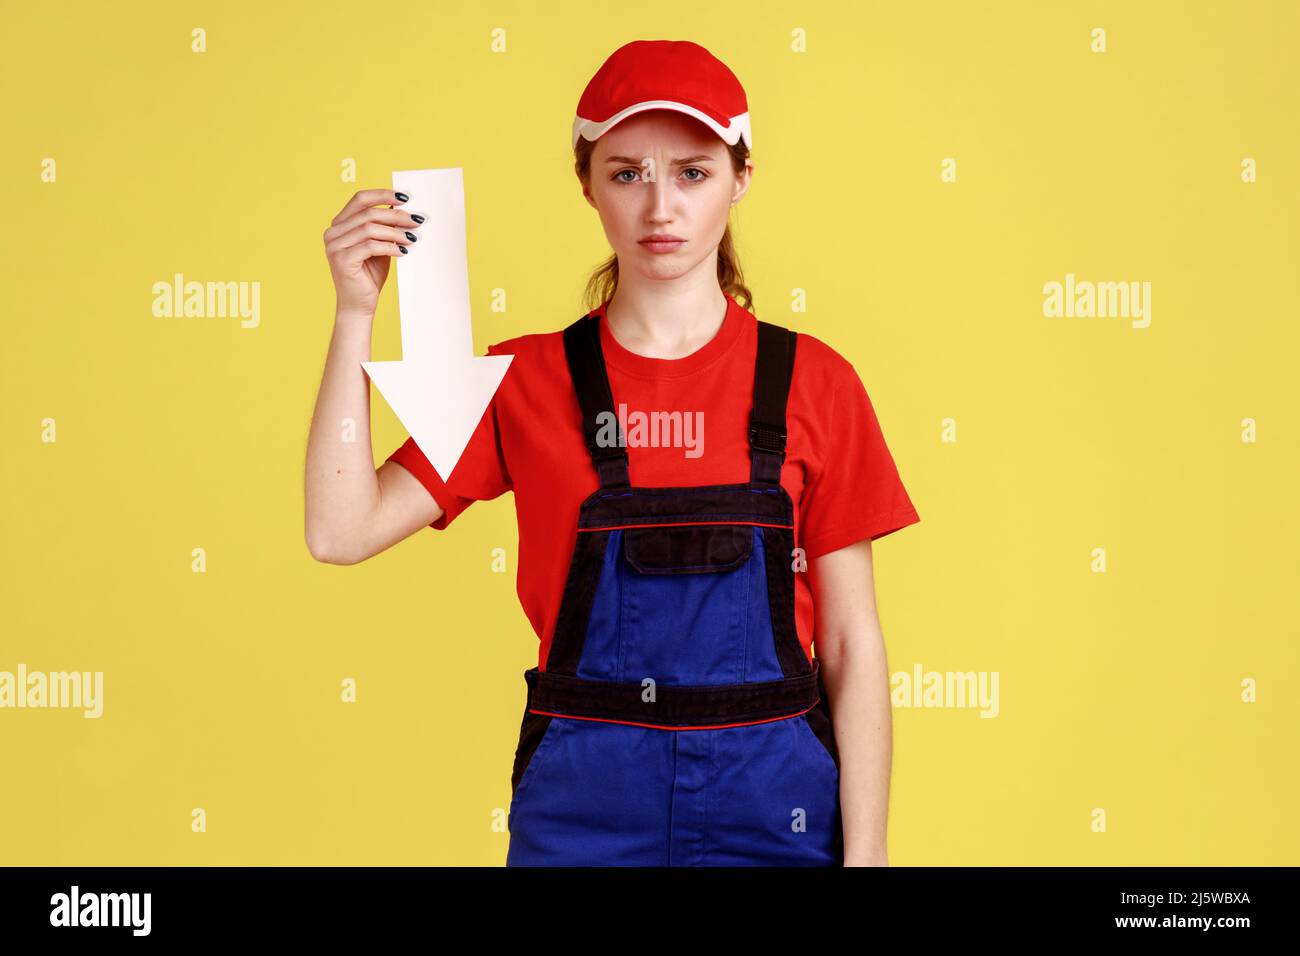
663,245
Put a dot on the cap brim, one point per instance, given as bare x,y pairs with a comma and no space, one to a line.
738,129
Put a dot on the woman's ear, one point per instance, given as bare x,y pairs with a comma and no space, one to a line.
586,193
742,182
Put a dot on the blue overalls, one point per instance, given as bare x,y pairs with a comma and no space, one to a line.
678,720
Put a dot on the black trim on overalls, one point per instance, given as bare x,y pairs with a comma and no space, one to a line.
773,370
587,369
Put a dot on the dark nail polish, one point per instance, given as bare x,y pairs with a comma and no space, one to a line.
402,197
411,236
417,217
403,248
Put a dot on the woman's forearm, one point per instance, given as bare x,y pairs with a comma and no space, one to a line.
341,486
856,675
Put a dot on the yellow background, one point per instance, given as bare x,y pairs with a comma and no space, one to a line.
1119,691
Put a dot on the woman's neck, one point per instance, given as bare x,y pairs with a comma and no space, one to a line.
659,321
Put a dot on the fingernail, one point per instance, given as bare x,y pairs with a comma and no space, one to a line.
411,236
417,217
403,248
402,197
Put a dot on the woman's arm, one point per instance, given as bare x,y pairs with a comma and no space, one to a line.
851,648
352,510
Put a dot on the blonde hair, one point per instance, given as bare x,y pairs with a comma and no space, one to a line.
604,280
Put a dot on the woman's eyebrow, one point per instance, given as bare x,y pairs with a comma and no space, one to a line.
628,160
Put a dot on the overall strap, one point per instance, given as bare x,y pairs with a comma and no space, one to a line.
773,369
591,383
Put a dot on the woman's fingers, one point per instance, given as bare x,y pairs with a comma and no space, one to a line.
361,240
392,237
369,197
381,214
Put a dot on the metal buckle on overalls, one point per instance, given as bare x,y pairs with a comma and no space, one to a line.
766,437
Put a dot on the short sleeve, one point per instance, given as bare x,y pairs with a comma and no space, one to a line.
480,474
856,491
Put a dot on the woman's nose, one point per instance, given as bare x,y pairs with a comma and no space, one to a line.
659,197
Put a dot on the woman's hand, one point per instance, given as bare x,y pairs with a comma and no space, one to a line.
361,241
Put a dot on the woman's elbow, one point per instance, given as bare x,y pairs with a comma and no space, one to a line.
328,550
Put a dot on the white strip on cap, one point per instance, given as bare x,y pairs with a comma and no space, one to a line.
739,126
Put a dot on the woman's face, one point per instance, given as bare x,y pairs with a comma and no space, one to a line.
662,173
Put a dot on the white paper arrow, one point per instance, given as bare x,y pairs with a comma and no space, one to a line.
440,389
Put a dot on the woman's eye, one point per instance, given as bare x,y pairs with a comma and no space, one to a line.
635,175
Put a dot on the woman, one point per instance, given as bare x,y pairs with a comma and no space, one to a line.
697,494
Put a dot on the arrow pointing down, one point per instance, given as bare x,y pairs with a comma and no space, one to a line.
440,388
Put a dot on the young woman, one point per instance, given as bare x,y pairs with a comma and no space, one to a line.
697,493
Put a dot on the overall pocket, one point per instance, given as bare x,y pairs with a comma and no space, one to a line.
531,733
688,549
528,763
780,789
814,742
685,603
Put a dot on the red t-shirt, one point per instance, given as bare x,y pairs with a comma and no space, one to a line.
838,471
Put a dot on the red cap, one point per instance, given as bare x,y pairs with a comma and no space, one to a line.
664,75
